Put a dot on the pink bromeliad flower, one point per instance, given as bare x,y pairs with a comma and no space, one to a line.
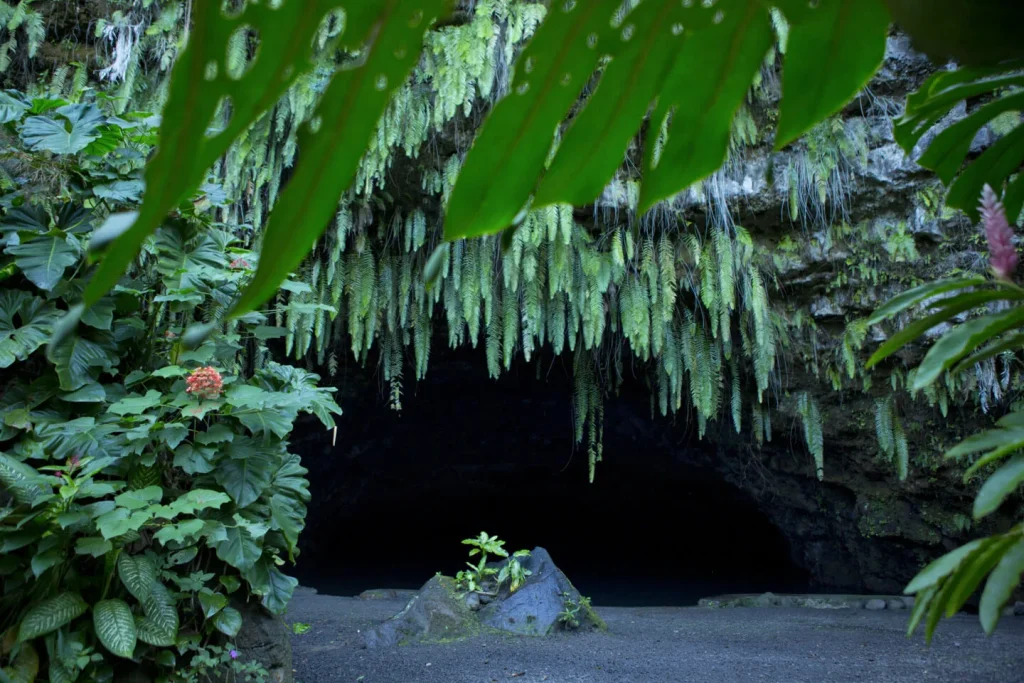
1002,252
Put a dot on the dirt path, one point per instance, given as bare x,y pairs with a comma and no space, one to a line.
664,645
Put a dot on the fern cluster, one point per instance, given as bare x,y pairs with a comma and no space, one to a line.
693,312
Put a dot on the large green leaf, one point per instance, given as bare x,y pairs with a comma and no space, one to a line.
43,260
194,501
180,532
995,164
997,487
137,499
81,436
948,151
160,625
963,339
115,627
135,404
974,571
707,84
239,548
269,421
68,131
920,294
829,57
941,568
947,308
195,460
200,82
228,621
268,581
25,325
244,478
137,573
21,481
516,137
1004,579
11,108
211,602
596,142
349,114
290,493
50,614
78,360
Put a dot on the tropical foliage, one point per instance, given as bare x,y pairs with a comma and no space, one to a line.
947,583
684,306
148,490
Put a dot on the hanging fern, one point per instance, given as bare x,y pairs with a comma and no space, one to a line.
810,416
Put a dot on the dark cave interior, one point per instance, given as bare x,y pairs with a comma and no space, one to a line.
394,497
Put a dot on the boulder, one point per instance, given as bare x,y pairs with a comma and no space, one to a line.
265,638
895,603
438,612
875,604
386,594
441,612
534,609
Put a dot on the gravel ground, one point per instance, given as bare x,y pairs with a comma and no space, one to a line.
662,645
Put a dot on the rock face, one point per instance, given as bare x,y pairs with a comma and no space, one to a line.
534,609
265,638
441,612
859,530
435,614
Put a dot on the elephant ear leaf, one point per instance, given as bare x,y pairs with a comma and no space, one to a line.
44,259
73,128
947,153
25,325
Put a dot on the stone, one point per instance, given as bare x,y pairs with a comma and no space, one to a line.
265,638
441,612
534,609
767,600
895,603
386,594
434,614
908,601
875,604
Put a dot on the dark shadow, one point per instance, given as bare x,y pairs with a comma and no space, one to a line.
397,495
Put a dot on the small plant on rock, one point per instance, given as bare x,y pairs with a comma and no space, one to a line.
480,578
570,615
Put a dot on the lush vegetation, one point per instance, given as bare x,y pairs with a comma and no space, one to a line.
145,449
946,584
149,489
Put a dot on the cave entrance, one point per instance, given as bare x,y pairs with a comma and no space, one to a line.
397,494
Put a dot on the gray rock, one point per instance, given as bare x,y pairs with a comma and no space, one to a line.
473,602
895,603
875,604
438,612
908,601
386,594
534,608
767,600
265,638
